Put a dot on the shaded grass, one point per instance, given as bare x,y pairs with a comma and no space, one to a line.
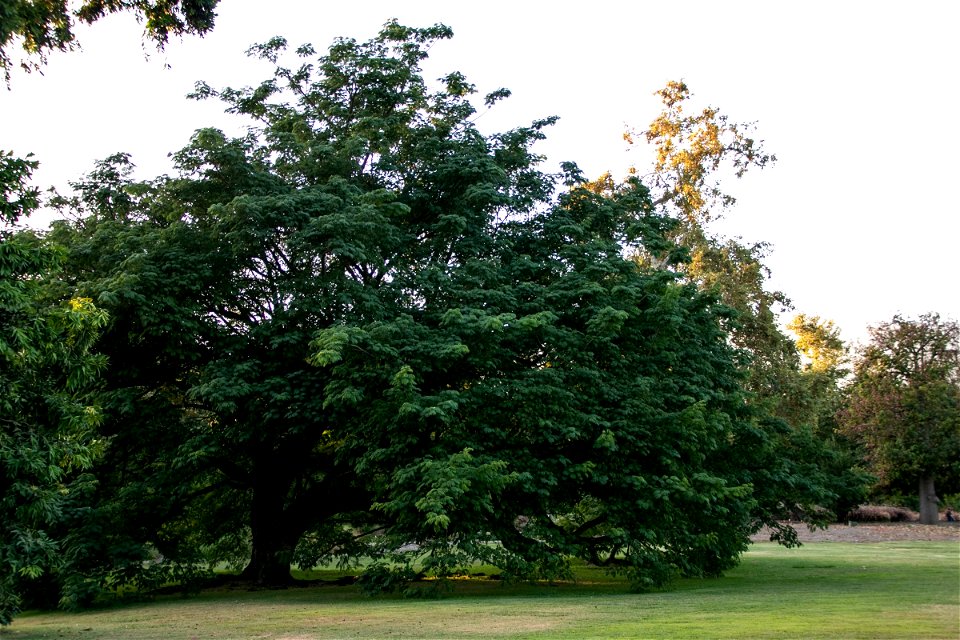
822,590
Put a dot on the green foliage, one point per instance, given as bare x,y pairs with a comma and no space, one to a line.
42,26
48,412
546,375
19,198
379,579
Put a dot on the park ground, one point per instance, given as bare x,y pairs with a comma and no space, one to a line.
876,532
888,581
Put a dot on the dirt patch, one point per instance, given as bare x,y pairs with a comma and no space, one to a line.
874,532
510,625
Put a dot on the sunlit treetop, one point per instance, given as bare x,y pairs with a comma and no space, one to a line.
689,151
819,341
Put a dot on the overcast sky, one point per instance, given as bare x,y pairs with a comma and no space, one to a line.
859,100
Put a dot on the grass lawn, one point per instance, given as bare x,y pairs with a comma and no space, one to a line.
822,590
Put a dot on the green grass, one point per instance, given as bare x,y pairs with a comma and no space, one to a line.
822,590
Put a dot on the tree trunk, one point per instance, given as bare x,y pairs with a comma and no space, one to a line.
281,509
929,503
270,559
273,542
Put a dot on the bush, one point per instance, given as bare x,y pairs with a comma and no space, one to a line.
881,513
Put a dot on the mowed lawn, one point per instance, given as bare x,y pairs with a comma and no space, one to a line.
822,590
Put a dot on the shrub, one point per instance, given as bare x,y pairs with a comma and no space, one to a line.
881,513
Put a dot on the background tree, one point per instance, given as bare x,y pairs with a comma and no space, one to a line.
48,413
42,26
694,150
904,406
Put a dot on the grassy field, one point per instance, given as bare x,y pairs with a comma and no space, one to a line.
822,590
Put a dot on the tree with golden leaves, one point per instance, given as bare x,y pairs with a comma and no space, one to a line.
690,150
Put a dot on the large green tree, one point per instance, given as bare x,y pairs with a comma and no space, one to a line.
488,376
48,413
904,406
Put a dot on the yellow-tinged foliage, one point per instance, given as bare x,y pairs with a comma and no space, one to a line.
819,342
689,151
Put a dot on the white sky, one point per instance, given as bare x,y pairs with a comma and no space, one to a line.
859,100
